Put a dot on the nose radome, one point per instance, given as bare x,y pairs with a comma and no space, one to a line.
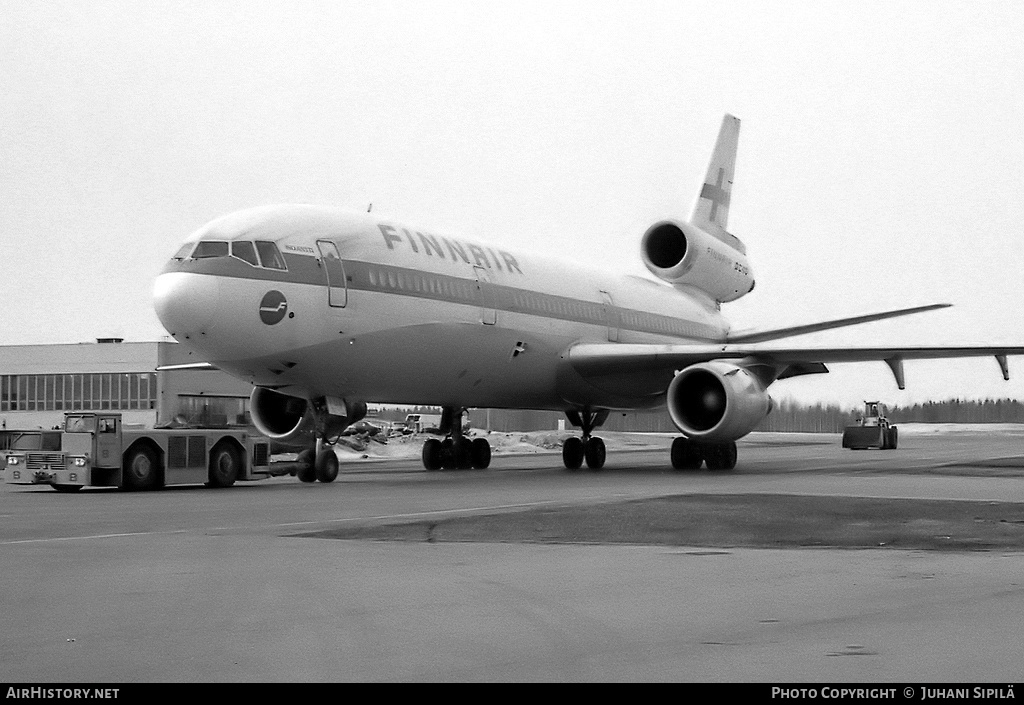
185,302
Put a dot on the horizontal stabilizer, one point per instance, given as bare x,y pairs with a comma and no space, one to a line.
777,333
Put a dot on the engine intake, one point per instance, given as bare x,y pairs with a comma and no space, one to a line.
285,418
279,416
717,401
684,255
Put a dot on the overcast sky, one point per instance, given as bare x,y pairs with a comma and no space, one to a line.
880,164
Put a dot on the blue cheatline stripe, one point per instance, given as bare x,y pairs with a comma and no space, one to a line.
419,284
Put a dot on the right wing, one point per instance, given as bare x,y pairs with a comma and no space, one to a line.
598,359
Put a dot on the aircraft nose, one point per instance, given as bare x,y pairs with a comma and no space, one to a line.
185,303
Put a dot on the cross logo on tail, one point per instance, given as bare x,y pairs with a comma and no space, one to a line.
717,194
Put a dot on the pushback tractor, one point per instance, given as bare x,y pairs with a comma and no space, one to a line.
97,450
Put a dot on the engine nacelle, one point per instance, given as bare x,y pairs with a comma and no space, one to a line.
681,254
280,417
285,418
717,401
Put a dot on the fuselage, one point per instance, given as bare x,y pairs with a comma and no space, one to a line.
321,301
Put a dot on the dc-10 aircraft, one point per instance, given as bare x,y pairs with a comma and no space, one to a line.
323,310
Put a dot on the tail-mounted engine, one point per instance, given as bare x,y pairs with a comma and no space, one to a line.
284,418
684,255
717,401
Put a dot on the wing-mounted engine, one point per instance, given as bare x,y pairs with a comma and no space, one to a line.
279,416
285,418
717,401
686,256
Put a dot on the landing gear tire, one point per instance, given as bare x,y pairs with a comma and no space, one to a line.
720,456
432,454
894,437
307,470
686,455
480,453
572,453
225,465
305,459
326,468
595,453
140,470
462,454
448,454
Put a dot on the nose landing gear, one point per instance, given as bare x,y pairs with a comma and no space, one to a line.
320,464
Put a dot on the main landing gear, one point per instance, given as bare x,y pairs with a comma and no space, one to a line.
589,448
320,464
689,455
455,452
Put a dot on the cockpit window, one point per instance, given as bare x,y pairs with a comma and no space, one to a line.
210,248
183,251
262,253
245,251
270,256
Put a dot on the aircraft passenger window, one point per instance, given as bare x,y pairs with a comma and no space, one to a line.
183,251
210,248
270,256
245,251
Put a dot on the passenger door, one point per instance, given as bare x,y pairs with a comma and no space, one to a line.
485,294
611,315
337,285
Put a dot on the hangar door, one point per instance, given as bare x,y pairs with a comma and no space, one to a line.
337,286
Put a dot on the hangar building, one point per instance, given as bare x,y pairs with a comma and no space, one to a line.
38,383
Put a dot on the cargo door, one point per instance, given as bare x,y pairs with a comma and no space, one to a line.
334,268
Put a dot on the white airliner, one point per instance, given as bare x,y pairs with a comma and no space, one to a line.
324,310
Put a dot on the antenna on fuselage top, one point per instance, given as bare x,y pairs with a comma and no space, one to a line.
370,208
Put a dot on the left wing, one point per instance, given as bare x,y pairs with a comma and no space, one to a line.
188,366
597,359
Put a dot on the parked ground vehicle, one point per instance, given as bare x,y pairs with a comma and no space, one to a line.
29,439
418,423
873,430
95,449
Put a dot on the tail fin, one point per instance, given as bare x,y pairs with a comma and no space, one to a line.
711,211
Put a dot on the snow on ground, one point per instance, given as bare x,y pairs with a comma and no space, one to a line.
519,443
354,449
929,429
